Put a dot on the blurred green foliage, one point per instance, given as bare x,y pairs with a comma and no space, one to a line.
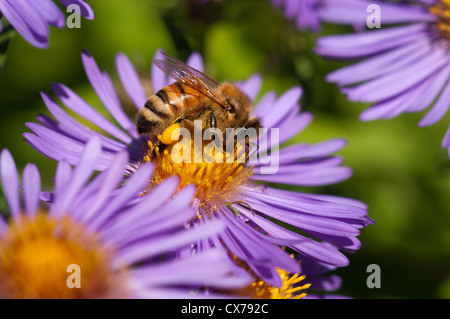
400,170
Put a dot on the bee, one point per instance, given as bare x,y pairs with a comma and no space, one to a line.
193,96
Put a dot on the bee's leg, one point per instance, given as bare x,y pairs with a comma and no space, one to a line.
251,142
182,118
212,120
213,124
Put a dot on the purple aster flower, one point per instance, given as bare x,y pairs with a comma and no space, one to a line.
31,18
119,242
403,68
325,226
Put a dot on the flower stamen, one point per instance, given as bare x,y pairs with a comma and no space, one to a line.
261,290
218,176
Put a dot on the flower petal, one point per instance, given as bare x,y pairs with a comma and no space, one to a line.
10,182
130,80
31,189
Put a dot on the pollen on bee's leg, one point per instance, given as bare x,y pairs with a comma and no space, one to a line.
172,131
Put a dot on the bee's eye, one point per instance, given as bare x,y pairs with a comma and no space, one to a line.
230,106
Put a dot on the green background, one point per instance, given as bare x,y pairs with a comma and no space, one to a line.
400,170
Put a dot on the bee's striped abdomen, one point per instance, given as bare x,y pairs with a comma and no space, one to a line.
152,107
166,105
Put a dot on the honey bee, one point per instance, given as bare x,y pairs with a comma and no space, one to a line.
193,96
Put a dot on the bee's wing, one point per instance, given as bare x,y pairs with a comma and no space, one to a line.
189,76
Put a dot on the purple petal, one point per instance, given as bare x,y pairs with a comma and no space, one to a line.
329,283
104,88
62,176
316,178
130,80
282,107
307,222
195,60
295,202
110,179
304,151
133,187
380,64
294,124
324,253
3,225
142,250
351,12
265,103
34,21
415,98
86,10
262,266
80,176
307,246
158,77
79,106
49,12
17,21
192,271
369,42
252,86
146,210
60,147
433,86
261,255
70,127
439,109
31,189
10,182
308,166
446,140
397,82
312,198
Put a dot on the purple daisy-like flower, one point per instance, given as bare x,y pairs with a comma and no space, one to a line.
325,225
403,68
120,243
32,18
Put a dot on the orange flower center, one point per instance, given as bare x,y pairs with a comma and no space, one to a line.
218,176
43,257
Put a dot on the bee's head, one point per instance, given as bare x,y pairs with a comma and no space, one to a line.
237,103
